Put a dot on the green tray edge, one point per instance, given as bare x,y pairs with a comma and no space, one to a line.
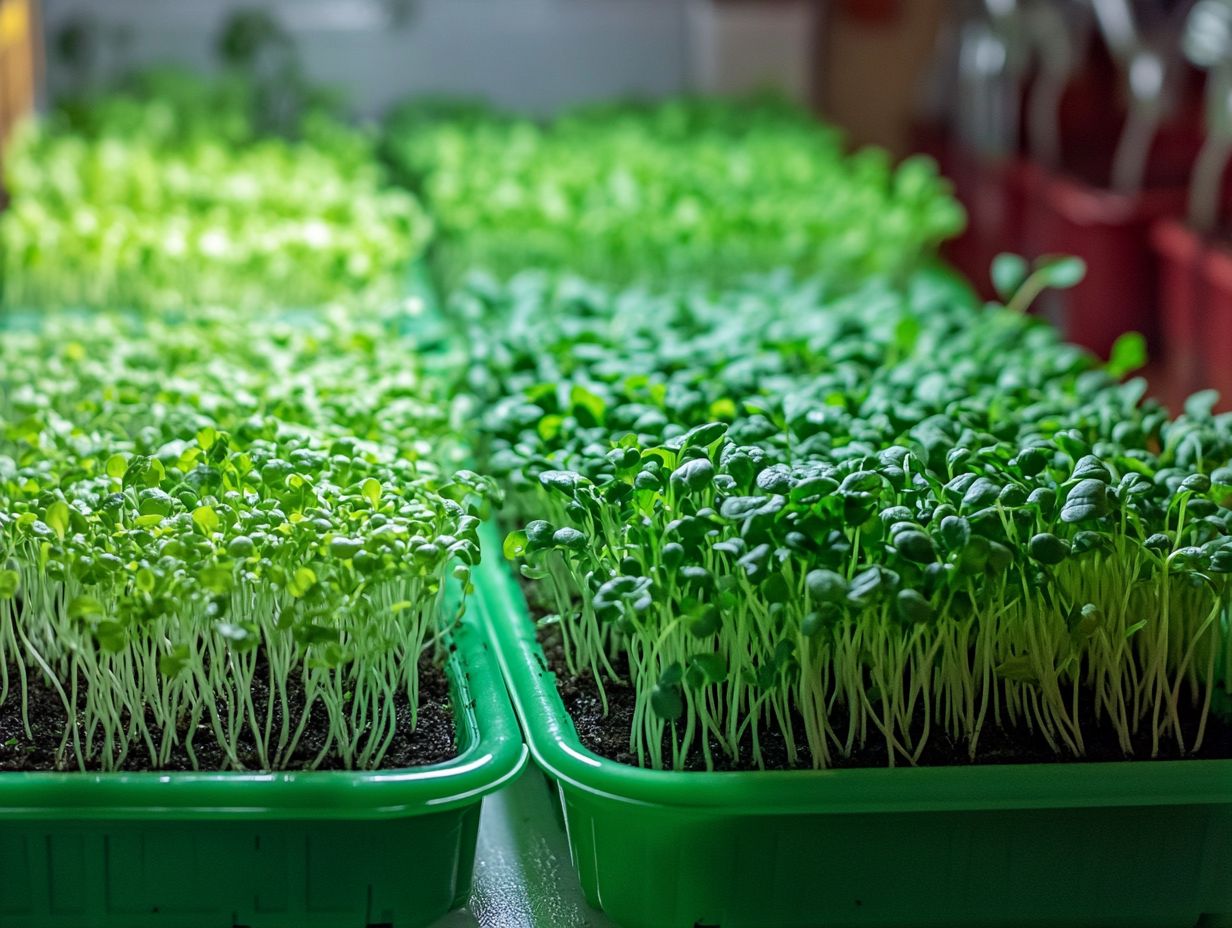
493,754
556,749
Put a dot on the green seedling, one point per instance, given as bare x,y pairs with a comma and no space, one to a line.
882,516
189,510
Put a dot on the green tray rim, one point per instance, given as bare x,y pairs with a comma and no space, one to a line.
492,754
556,748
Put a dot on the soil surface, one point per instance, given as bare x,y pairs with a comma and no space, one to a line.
432,740
608,735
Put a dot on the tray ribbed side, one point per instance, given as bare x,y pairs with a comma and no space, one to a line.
147,874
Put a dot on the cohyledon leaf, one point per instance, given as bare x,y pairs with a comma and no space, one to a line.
85,608
708,668
916,546
703,436
301,581
371,489
667,701
621,594
515,545
1086,501
1019,669
1009,273
1128,354
116,466
206,438
1200,405
1060,272
206,519
57,518
693,475
907,333
175,661
1048,549
913,607
587,406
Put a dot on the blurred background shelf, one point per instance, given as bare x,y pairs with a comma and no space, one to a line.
532,55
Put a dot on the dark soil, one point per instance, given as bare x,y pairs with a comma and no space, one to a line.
432,740
608,735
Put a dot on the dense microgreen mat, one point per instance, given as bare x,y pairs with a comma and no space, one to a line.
840,503
169,194
191,507
698,188
887,515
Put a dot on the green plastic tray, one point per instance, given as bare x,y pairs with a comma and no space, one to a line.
1121,845
388,849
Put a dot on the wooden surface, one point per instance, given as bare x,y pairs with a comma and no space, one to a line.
875,53
17,63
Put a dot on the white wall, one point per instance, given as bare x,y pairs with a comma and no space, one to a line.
535,55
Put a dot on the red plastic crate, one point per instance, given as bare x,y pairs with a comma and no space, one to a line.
1181,302
1216,321
1112,233
995,193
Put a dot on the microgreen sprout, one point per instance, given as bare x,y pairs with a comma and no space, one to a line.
876,517
1020,283
188,510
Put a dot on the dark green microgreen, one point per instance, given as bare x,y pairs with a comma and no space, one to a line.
1048,548
1087,500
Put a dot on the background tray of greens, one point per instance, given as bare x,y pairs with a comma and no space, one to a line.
696,189
176,191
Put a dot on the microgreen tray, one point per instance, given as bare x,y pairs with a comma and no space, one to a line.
392,848
1145,843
